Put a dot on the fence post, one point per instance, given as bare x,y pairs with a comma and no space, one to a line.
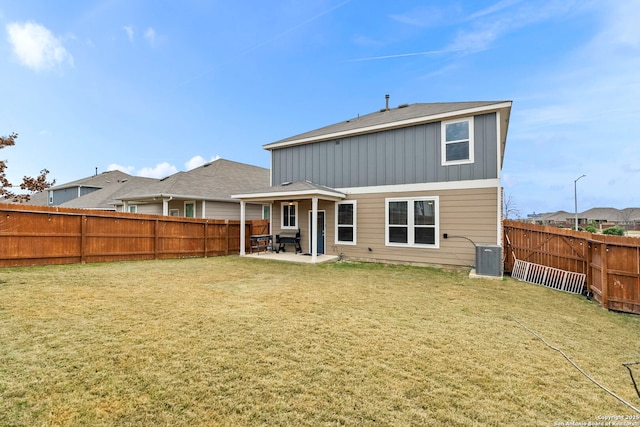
83,237
604,276
226,236
156,238
206,234
589,271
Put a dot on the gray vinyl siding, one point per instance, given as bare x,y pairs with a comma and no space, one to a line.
398,156
65,194
213,210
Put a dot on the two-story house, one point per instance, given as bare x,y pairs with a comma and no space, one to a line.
419,183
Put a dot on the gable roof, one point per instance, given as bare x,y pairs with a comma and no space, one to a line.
106,184
97,181
402,116
105,198
216,180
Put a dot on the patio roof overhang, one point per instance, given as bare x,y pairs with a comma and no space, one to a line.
292,191
303,190
159,197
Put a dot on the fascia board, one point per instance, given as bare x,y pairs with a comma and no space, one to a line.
291,194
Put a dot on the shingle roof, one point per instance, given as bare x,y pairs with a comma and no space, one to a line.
107,184
389,117
106,197
100,180
216,180
298,186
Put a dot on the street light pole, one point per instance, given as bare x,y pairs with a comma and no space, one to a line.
575,197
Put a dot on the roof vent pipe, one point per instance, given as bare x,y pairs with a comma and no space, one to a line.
386,97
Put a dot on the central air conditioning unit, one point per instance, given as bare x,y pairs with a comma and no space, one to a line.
489,260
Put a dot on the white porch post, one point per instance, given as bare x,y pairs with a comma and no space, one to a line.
165,207
125,206
242,232
204,204
314,225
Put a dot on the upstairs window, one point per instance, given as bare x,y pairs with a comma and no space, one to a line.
457,141
346,223
289,215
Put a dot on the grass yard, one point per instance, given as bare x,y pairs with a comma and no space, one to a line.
234,341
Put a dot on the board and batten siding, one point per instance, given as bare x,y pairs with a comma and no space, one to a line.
391,157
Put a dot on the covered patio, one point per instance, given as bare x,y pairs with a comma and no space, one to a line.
290,195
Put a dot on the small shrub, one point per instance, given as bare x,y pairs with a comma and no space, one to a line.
615,231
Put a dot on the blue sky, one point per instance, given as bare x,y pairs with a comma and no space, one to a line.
156,87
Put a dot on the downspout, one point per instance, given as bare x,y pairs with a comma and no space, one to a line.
165,205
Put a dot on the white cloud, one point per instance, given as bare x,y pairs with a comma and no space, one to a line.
36,47
126,169
421,17
504,17
129,31
150,36
197,161
161,170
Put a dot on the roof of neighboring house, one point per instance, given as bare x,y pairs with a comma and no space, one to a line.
105,198
106,185
559,216
404,115
594,214
97,181
216,180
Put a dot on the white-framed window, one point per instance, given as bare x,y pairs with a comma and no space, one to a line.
133,208
346,227
266,211
289,217
190,209
412,222
457,141
174,212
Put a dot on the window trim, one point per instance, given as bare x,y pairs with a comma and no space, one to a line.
174,212
132,209
411,222
444,142
296,216
267,208
195,208
354,225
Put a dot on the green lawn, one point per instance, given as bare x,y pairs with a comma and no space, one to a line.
234,341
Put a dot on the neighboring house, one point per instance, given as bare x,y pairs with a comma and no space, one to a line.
203,192
628,218
413,184
94,192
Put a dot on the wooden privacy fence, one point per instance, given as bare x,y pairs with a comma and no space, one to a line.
611,263
31,235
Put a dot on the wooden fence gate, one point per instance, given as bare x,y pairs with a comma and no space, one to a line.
611,264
